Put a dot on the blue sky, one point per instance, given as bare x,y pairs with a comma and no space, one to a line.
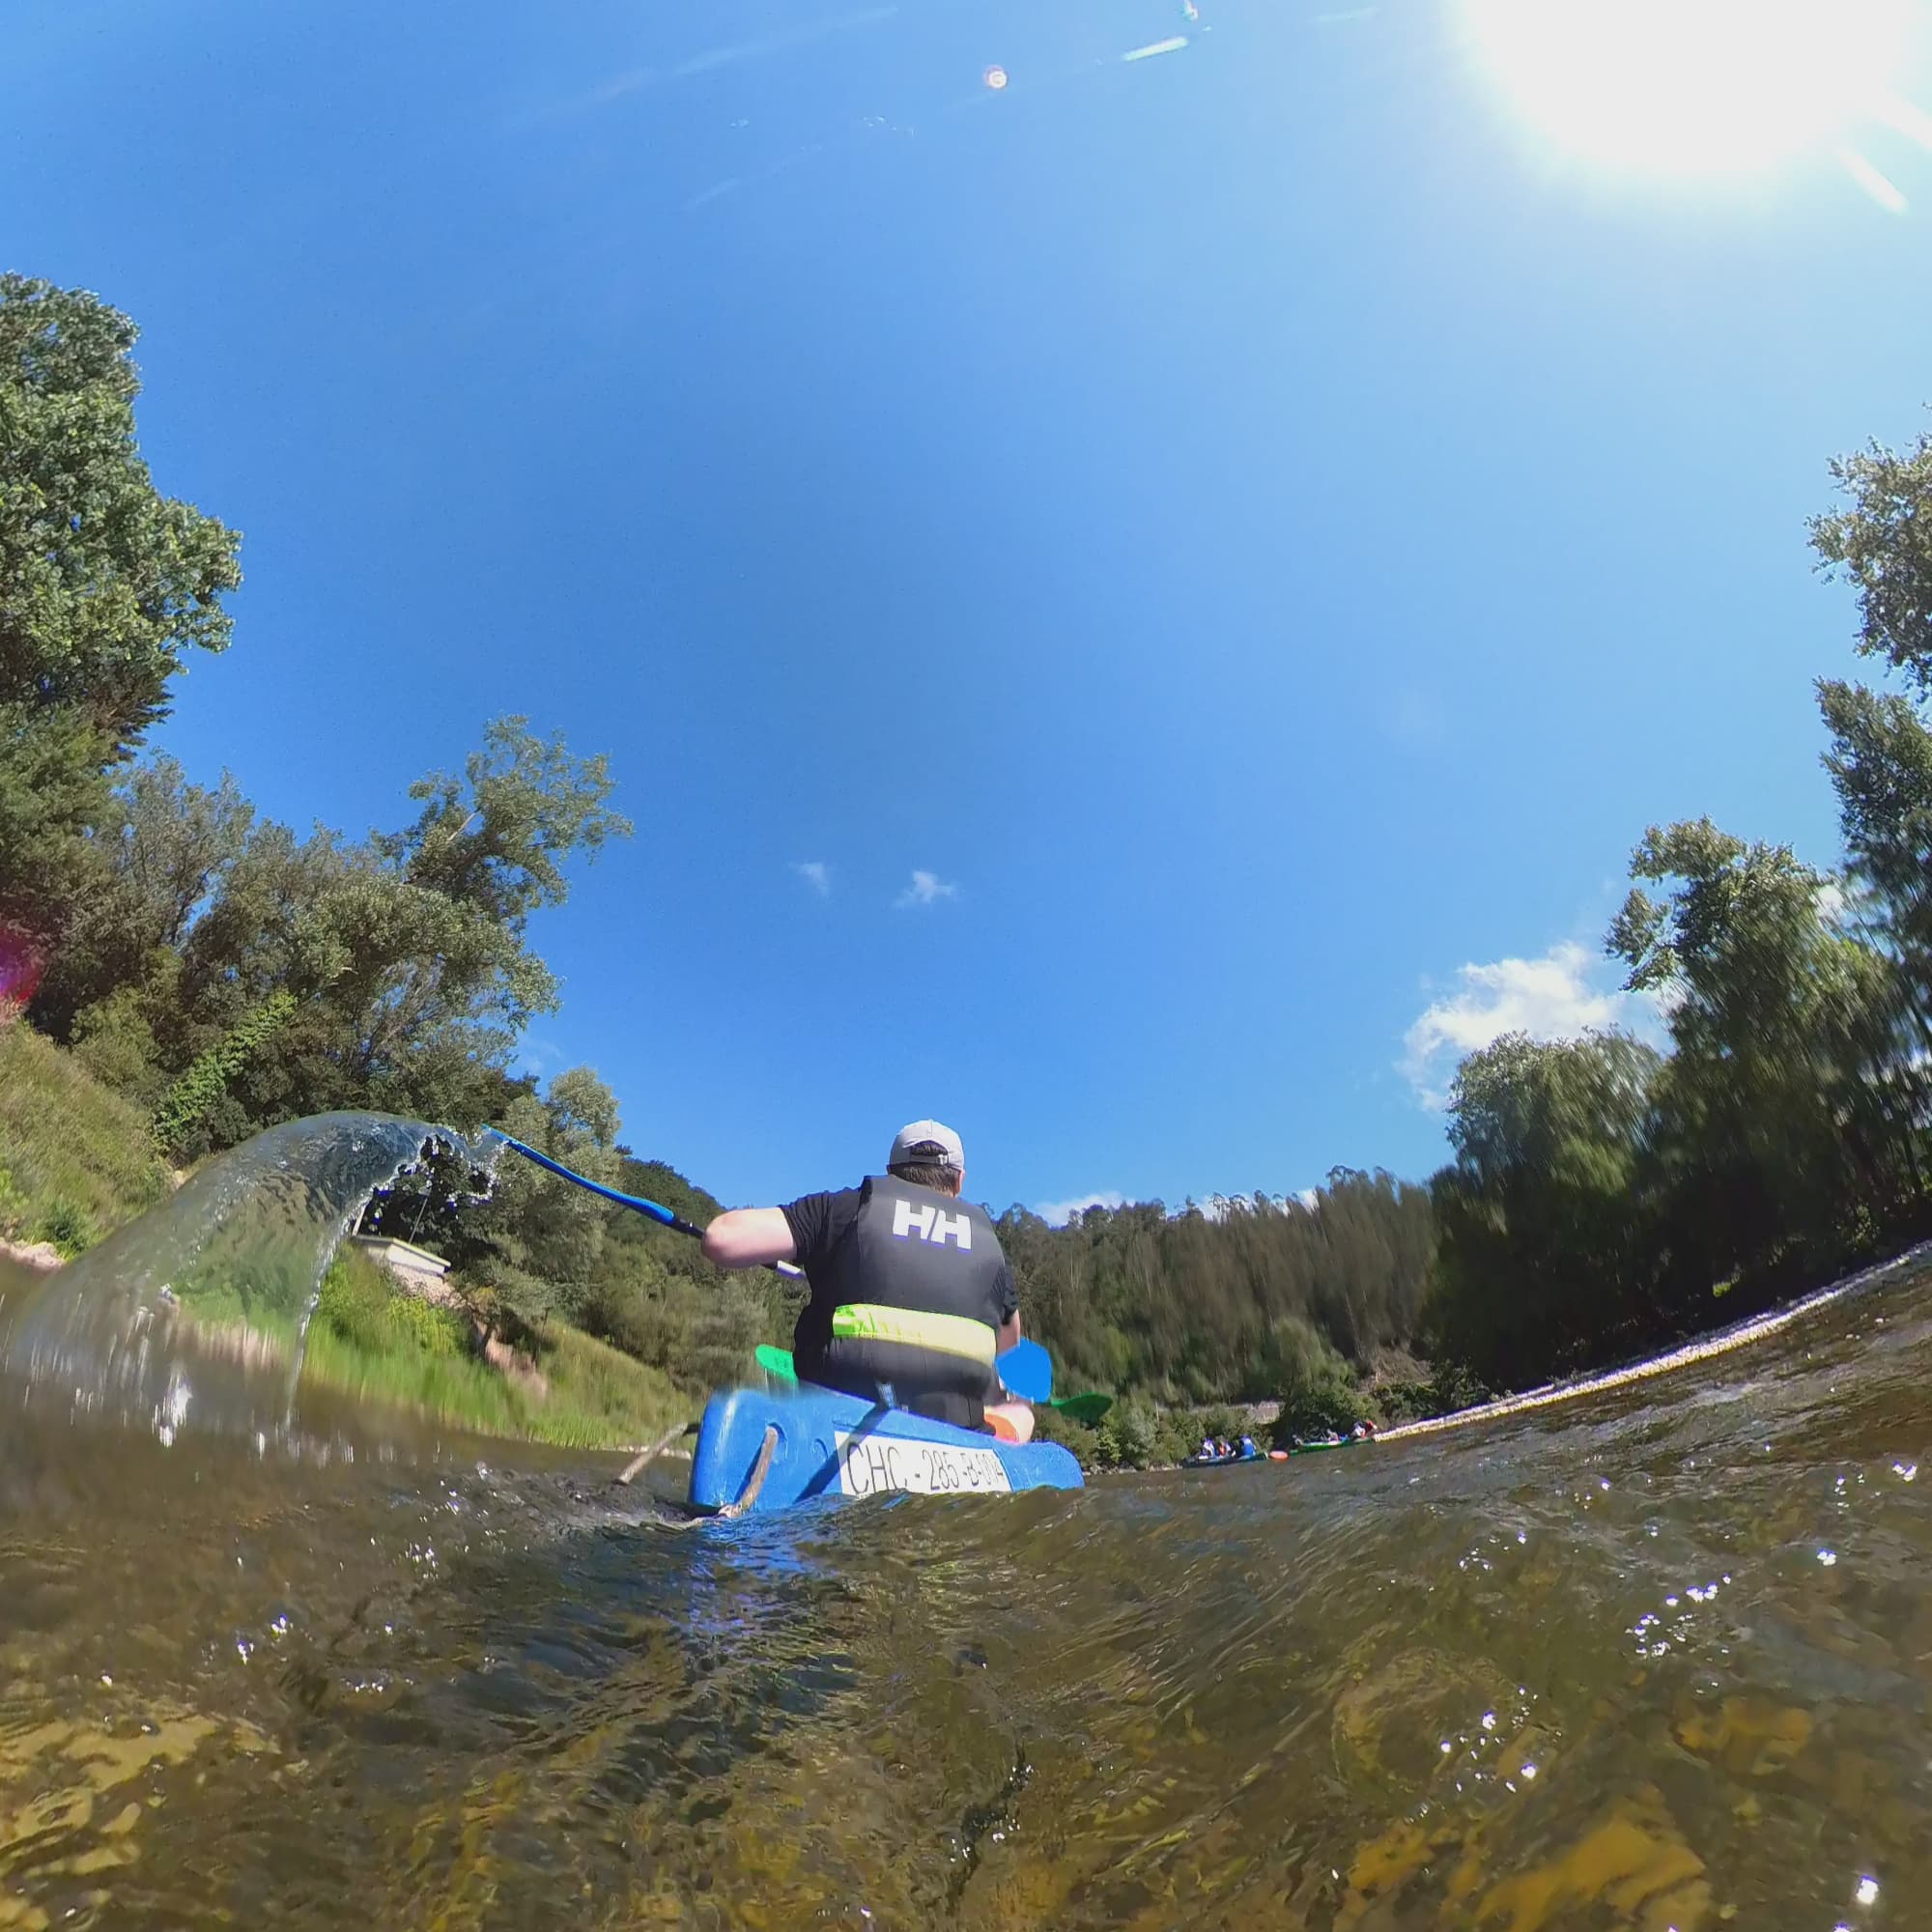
1259,530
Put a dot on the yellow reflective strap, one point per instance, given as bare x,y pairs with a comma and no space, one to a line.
948,1334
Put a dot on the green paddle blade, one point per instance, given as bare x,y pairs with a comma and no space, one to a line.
1089,1407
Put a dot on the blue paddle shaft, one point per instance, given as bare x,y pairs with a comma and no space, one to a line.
635,1202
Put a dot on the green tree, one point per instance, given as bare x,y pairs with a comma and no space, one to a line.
408,954
105,582
1542,1253
188,1101
1882,542
535,1243
159,851
51,790
1314,1385
1776,1131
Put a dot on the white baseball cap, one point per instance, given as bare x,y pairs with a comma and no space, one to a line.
928,1141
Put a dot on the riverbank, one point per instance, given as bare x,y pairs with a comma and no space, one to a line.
1702,1348
380,1343
76,1162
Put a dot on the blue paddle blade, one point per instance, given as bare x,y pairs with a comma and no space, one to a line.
1027,1370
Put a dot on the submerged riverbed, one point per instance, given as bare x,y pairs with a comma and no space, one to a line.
1657,1658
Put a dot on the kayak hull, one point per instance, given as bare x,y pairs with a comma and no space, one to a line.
827,1444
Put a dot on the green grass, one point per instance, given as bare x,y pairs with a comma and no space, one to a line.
369,1341
75,1161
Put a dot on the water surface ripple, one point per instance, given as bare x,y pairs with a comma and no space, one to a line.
1655,1659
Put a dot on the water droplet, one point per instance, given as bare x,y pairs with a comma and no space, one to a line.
1828,1558
1867,1891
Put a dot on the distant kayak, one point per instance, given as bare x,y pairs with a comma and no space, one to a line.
1222,1461
766,1450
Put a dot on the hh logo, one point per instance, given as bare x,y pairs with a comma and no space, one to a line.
932,1224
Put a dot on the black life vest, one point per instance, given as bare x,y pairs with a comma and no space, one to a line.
909,1301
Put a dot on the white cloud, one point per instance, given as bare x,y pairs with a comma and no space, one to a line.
540,1055
816,875
1059,1213
926,889
1557,997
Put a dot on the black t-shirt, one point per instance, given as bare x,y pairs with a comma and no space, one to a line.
819,1223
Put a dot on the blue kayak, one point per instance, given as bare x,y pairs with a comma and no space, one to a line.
816,1442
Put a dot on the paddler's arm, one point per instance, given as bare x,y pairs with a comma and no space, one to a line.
750,1237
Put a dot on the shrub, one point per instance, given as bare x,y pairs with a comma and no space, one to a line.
1128,1436
1407,1400
644,1322
424,1324
13,1205
355,1300
1318,1387
68,1227
195,1096
1454,1387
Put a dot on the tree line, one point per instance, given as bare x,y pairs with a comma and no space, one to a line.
1605,1194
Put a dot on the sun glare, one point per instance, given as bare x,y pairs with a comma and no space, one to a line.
1691,86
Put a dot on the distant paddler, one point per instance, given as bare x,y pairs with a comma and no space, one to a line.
911,1296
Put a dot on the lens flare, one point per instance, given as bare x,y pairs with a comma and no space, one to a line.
995,77
21,966
1691,86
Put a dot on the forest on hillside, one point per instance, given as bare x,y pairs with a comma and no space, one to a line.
222,972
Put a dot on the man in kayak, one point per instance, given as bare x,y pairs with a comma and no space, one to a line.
910,1291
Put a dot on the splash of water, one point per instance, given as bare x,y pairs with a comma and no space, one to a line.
196,1315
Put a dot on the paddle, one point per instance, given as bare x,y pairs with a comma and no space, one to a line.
635,1202
1026,1367
1089,1407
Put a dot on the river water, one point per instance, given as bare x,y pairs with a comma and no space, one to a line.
1655,1659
